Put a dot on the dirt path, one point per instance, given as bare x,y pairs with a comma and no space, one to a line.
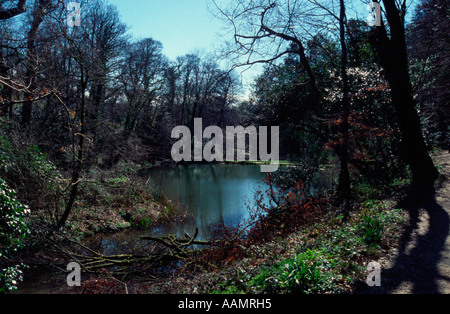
421,263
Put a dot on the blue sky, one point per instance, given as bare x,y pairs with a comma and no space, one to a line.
187,26
183,26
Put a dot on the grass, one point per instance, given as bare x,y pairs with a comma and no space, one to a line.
301,274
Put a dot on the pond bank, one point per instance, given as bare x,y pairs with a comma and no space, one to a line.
331,256
336,251
111,215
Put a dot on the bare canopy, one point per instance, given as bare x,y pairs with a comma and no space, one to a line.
14,11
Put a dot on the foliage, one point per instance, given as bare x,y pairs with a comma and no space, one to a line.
112,200
13,231
288,208
329,256
122,98
372,229
120,192
429,63
277,212
301,274
305,273
35,178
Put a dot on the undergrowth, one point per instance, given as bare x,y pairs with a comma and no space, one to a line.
320,253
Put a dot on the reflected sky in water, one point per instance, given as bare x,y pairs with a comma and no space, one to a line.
213,194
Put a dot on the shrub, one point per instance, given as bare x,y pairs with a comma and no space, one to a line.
13,230
27,170
289,209
371,229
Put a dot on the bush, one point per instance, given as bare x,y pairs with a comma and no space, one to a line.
13,230
27,170
371,229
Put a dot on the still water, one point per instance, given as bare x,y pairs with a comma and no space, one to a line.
211,196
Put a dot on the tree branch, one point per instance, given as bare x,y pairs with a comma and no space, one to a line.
10,13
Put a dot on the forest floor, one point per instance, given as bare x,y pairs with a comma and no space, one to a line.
421,263
414,254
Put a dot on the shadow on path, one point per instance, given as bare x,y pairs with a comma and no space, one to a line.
417,267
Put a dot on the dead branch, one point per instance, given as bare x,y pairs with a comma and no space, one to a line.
10,13
174,249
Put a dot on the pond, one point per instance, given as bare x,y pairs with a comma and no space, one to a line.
211,195
214,195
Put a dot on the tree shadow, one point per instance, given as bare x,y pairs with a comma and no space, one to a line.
417,266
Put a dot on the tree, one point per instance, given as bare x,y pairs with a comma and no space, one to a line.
20,8
92,51
344,188
18,73
266,31
141,79
6,91
428,49
274,28
393,58
40,10
106,42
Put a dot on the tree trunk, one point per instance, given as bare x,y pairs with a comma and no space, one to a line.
6,92
344,187
394,60
77,163
38,17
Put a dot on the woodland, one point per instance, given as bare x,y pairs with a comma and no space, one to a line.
85,109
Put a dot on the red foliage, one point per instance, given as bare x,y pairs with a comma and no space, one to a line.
294,209
288,209
101,286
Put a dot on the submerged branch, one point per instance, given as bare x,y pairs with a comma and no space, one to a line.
171,241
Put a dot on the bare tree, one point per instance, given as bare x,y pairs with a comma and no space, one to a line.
107,40
393,58
266,30
32,58
344,187
141,78
278,28
20,8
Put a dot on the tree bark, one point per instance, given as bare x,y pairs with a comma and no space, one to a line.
394,60
344,187
6,92
38,17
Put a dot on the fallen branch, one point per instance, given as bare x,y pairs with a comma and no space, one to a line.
174,249
172,242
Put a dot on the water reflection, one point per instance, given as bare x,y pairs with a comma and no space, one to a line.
213,195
